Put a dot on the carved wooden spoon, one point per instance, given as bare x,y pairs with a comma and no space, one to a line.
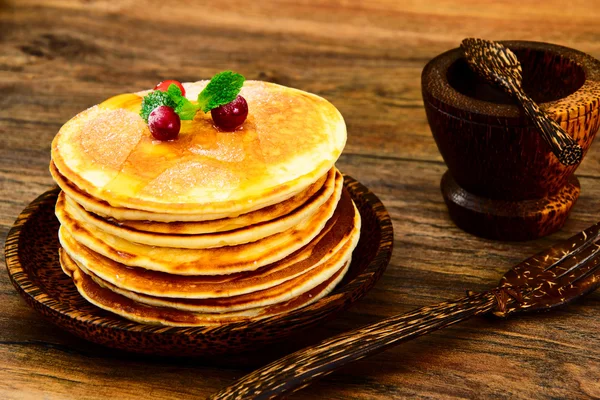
500,66
551,278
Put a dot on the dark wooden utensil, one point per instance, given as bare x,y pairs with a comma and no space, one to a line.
549,279
497,64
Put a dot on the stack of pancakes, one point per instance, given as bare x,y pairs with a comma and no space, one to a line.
213,227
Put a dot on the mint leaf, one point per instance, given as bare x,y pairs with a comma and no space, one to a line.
174,92
183,107
186,110
155,99
223,88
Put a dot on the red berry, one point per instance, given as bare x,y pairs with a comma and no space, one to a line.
164,85
164,123
231,115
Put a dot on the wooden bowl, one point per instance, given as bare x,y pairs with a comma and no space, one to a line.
503,182
32,259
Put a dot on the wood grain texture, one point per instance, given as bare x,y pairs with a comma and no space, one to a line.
556,276
59,57
503,180
499,65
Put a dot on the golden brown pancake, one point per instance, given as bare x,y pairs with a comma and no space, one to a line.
208,240
333,239
130,309
214,261
213,227
184,223
290,139
261,298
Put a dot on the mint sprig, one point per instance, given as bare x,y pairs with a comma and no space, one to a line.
183,107
155,99
223,88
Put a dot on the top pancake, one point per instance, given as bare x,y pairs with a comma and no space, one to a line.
290,139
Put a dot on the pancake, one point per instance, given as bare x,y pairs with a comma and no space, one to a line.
269,213
213,227
214,261
184,223
229,238
141,313
328,243
261,298
290,139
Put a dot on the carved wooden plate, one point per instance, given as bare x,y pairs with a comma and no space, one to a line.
32,260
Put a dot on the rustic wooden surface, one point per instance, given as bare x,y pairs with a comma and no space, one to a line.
59,57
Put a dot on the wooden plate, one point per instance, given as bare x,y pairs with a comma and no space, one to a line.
32,260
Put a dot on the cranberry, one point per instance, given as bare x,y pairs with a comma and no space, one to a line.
231,115
164,85
164,123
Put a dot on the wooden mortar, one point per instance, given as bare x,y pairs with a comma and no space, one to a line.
503,182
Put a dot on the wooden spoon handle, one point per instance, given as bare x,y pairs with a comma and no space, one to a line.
299,369
564,147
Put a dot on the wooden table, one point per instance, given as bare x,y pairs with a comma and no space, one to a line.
60,57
